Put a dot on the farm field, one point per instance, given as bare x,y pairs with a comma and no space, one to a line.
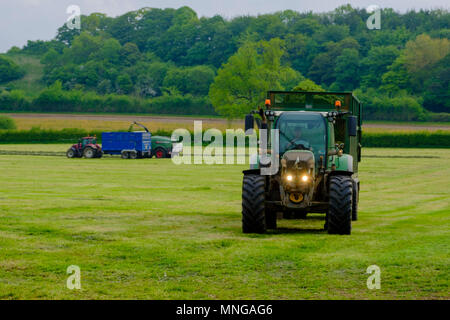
26,121
148,229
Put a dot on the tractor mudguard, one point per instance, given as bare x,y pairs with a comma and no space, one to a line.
252,171
340,173
344,163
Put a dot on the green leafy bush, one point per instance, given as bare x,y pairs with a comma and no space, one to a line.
7,123
426,139
9,70
402,107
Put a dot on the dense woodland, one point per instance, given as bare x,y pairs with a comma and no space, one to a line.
172,61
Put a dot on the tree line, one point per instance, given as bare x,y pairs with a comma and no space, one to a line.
400,72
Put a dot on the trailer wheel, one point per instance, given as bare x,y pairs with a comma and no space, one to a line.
253,206
70,153
89,153
355,201
125,155
340,208
160,153
133,155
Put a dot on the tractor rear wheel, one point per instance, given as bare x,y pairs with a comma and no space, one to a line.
89,153
160,153
70,153
253,206
340,207
355,201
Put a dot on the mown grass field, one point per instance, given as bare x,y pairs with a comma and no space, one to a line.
149,229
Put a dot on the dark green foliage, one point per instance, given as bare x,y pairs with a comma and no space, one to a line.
150,53
439,117
193,80
55,99
37,135
437,88
7,123
438,139
378,106
9,70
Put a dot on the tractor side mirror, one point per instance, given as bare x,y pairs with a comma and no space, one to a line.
249,122
352,123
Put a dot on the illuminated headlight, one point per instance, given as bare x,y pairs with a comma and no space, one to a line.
289,177
305,178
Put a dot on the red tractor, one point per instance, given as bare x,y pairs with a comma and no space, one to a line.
86,147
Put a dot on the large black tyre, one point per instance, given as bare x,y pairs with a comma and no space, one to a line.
253,207
340,208
125,155
70,153
89,153
355,200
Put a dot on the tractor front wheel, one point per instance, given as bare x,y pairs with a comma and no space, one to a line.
253,206
89,153
70,153
340,207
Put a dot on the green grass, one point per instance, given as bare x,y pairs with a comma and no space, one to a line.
148,229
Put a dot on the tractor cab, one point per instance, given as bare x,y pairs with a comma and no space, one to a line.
87,141
302,131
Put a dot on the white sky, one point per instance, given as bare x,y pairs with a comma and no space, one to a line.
22,20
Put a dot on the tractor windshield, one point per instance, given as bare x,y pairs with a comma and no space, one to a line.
302,131
87,141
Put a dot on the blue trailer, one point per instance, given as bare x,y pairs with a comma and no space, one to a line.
130,145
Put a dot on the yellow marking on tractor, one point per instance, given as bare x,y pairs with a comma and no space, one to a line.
296,197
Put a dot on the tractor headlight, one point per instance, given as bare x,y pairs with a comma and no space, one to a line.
305,178
289,177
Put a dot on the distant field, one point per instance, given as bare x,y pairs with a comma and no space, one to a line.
117,122
151,229
26,121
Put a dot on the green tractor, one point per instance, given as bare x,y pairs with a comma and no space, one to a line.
314,145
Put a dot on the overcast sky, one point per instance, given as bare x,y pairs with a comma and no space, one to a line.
22,20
